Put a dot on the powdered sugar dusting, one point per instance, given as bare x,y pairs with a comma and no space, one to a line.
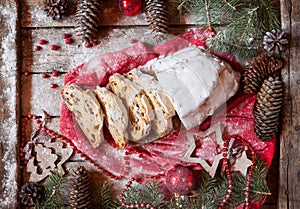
8,101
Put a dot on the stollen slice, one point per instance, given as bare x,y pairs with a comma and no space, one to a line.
140,111
163,109
116,115
87,111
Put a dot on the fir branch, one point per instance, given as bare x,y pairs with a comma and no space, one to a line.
150,193
153,192
54,186
259,189
245,32
104,197
208,12
247,21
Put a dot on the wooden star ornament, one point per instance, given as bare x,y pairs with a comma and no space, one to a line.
242,163
211,169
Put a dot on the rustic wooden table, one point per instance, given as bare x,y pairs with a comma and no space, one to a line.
23,91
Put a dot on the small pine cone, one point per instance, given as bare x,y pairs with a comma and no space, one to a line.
275,41
86,18
268,107
55,8
80,191
157,16
31,193
259,69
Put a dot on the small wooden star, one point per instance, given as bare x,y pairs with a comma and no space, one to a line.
216,128
242,163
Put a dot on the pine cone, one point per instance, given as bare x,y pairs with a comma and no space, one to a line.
31,193
86,18
157,16
267,108
259,69
80,191
275,41
55,8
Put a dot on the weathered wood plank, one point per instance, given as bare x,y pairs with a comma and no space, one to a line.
34,16
37,95
9,104
289,169
69,56
269,206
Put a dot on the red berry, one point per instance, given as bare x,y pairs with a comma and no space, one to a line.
26,73
55,73
54,47
37,48
69,41
43,42
45,75
132,41
95,42
65,35
88,45
53,85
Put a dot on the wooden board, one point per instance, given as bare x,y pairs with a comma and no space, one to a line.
116,32
289,169
9,108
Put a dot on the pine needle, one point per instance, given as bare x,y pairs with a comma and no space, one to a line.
54,186
104,197
246,23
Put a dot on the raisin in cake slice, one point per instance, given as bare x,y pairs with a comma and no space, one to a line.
139,107
87,111
116,115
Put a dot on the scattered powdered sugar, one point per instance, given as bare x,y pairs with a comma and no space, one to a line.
8,103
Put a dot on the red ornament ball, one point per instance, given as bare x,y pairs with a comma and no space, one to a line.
130,7
180,180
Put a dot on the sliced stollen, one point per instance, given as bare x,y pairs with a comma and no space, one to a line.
139,107
163,109
87,111
116,115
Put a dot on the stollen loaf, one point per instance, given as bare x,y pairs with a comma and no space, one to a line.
144,104
196,82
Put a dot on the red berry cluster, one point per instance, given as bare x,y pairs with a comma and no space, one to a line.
66,36
54,74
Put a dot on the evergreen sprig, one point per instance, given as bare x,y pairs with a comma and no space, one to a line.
150,193
104,197
246,23
55,185
208,12
209,193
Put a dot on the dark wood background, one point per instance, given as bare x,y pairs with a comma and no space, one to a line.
33,94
